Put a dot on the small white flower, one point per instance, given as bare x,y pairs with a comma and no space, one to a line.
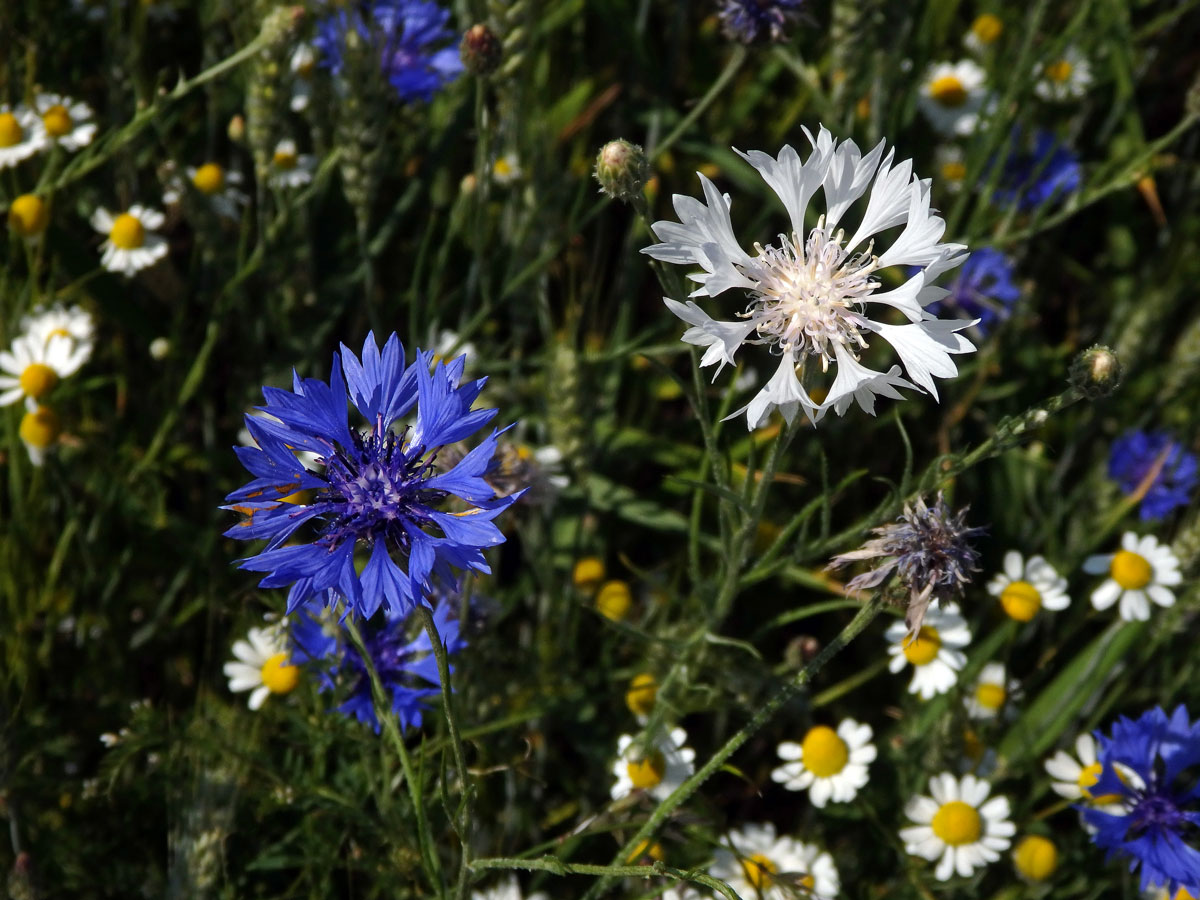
983,33
131,242
39,432
830,765
658,771
506,169
509,889
290,169
951,165
65,122
1065,78
956,826
34,365
1143,568
759,864
219,187
952,96
303,63
1074,775
73,322
935,653
262,666
21,134
160,349
1025,587
992,693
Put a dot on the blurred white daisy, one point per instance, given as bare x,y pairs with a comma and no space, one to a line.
952,96
65,122
1074,775
984,32
958,825
219,186
262,665
951,166
290,169
658,770
1142,570
759,864
830,765
72,322
808,293
992,693
935,653
303,63
131,242
21,134
1065,78
506,169
1025,587
39,432
33,366
508,889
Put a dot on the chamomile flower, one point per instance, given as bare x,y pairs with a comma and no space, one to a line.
1142,570
642,695
830,765
290,169
506,169
28,217
219,186
951,165
34,365
21,134
262,665
958,826
131,243
66,122
1074,776
657,770
508,889
984,32
39,432
935,652
952,96
1065,78
808,293
758,863
1025,587
992,693
1035,858
73,322
303,63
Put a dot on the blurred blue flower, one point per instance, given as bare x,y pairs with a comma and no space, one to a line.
405,33
754,21
379,489
406,665
983,290
1132,457
1033,176
1156,785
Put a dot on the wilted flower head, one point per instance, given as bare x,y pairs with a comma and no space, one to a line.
927,547
758,21
1138,453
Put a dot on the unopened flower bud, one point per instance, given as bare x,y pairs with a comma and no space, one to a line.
1096,372
237,129
621,169
1035,857
480,50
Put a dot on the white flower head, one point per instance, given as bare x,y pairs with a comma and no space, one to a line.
760,864
303,63
263,665
65,122
658,770
72,322
290,169
983,33
508,889
35,365
951,165
992,694
935,653
131,243
1023,587
1142,570
21,134
958,825
219,187
952,96
39,431
1065,78
809,292
1075,775
830,765
506,169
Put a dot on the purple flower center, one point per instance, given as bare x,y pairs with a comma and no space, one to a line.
1155,812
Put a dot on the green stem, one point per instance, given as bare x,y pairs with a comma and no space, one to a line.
731,68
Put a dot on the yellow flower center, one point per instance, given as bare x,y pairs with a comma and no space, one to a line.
57,121
127,232
613,600
1036,857
957,823
284,159
1060,71
588,574
642,693
948,90
1130,570
955,170
11,132
1182,894
990,696
503,168
1088,777
922,649
209,178
823,752
58,332
28,215
1021,600
987,28
278,676
37,380
647,773
759,869
40,428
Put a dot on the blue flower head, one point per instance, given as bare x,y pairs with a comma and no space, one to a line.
1136,453
1151,765
378,492
757,21
409,36
1033,176
983,290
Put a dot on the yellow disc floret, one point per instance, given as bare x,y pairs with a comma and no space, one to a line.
957,823
209,178
278,676
990,696
922,649
57,121
987,28
1021,600
954,170
37,380
284,159
127,232
759,869
613,600
823,752
1036,857
11,132
28,215
648,772
1130,570
40,428
642,693
1060,71
588,574
948,90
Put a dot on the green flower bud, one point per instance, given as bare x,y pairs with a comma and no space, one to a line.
1096,372
622,170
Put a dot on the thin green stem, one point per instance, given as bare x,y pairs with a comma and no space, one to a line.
731,68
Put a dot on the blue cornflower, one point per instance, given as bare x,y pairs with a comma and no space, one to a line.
752,21
378,489
1150,766
1132,457
405,34
406,665
983,290
1032,177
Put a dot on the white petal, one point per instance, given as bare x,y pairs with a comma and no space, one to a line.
1106,595
792,180
1134,606
723,339
1161,595
856,383
888,202
925,348
783,392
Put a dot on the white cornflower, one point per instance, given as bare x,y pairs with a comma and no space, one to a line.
262,665
951,166
73,322
1065,78
808,295
830,765
658,771
219,186
132,243
956,826
509,889
302,63
1025,587
65,121
1143,568
952,96
34,365
21,134
935,653
290,169
992,693
761,865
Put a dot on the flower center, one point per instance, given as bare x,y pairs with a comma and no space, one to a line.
990,696
28,215
37,380
648,772
1036,857
759,869
39,428
209,178
11,132
922,649
1060,71
57,121
127,232
284,159
948,90
1156,812
1021,600
823,752
987,28
806,298
613,600
957,823
642,693
1130,570
955,170
278,676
